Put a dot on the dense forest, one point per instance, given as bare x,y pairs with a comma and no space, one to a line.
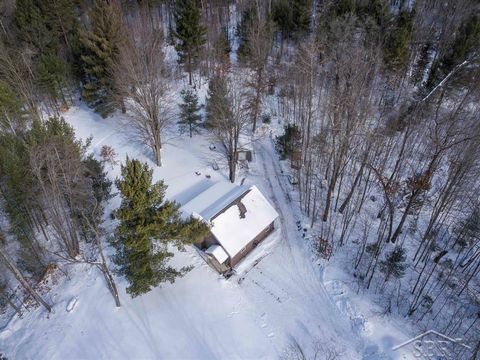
377,102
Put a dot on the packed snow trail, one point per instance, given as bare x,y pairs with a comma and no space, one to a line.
290,274
334,309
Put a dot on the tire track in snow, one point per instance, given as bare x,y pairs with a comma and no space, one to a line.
307,274
303,278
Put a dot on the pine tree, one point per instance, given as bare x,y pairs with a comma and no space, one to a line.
216,99
100,51
12,116
49,27
189,116
52,77
32,26
222,47
466,42
61,19
246,23
148,225
292,16
394,264
16,183
396,44
302,14
190,34
44,24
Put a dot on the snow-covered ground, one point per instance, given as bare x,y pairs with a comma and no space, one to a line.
281,294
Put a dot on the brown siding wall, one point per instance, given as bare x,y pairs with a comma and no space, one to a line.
221,268
265,232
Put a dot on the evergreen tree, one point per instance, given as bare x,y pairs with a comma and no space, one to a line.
148,225
62,21
292,16
216,99
16,183
222,47
246,23
44,24
397,41
394,264
377,10
189,116
287,143
302,14
343,7
466,42
100,51
19,189
190,34
52,77
32,27
49,27
12,116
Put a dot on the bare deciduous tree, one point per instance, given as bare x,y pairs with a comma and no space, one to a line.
259,40
58,173
141,78
230,119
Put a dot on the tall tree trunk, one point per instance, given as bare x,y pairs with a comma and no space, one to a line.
404,217
18,275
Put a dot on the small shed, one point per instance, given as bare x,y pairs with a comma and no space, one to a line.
240,218
245,148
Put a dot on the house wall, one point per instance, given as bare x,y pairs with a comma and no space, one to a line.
221,268
252,244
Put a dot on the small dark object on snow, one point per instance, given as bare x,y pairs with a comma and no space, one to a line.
303,235
215,166
229,273
292,180
304,229
208,176
198,173
373,198
212,147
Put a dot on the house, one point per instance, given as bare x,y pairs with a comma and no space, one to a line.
240,218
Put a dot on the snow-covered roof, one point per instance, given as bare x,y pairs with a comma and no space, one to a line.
237,214
235,227
245,142
211,201
217,252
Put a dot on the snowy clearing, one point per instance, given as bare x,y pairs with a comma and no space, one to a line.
278,296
